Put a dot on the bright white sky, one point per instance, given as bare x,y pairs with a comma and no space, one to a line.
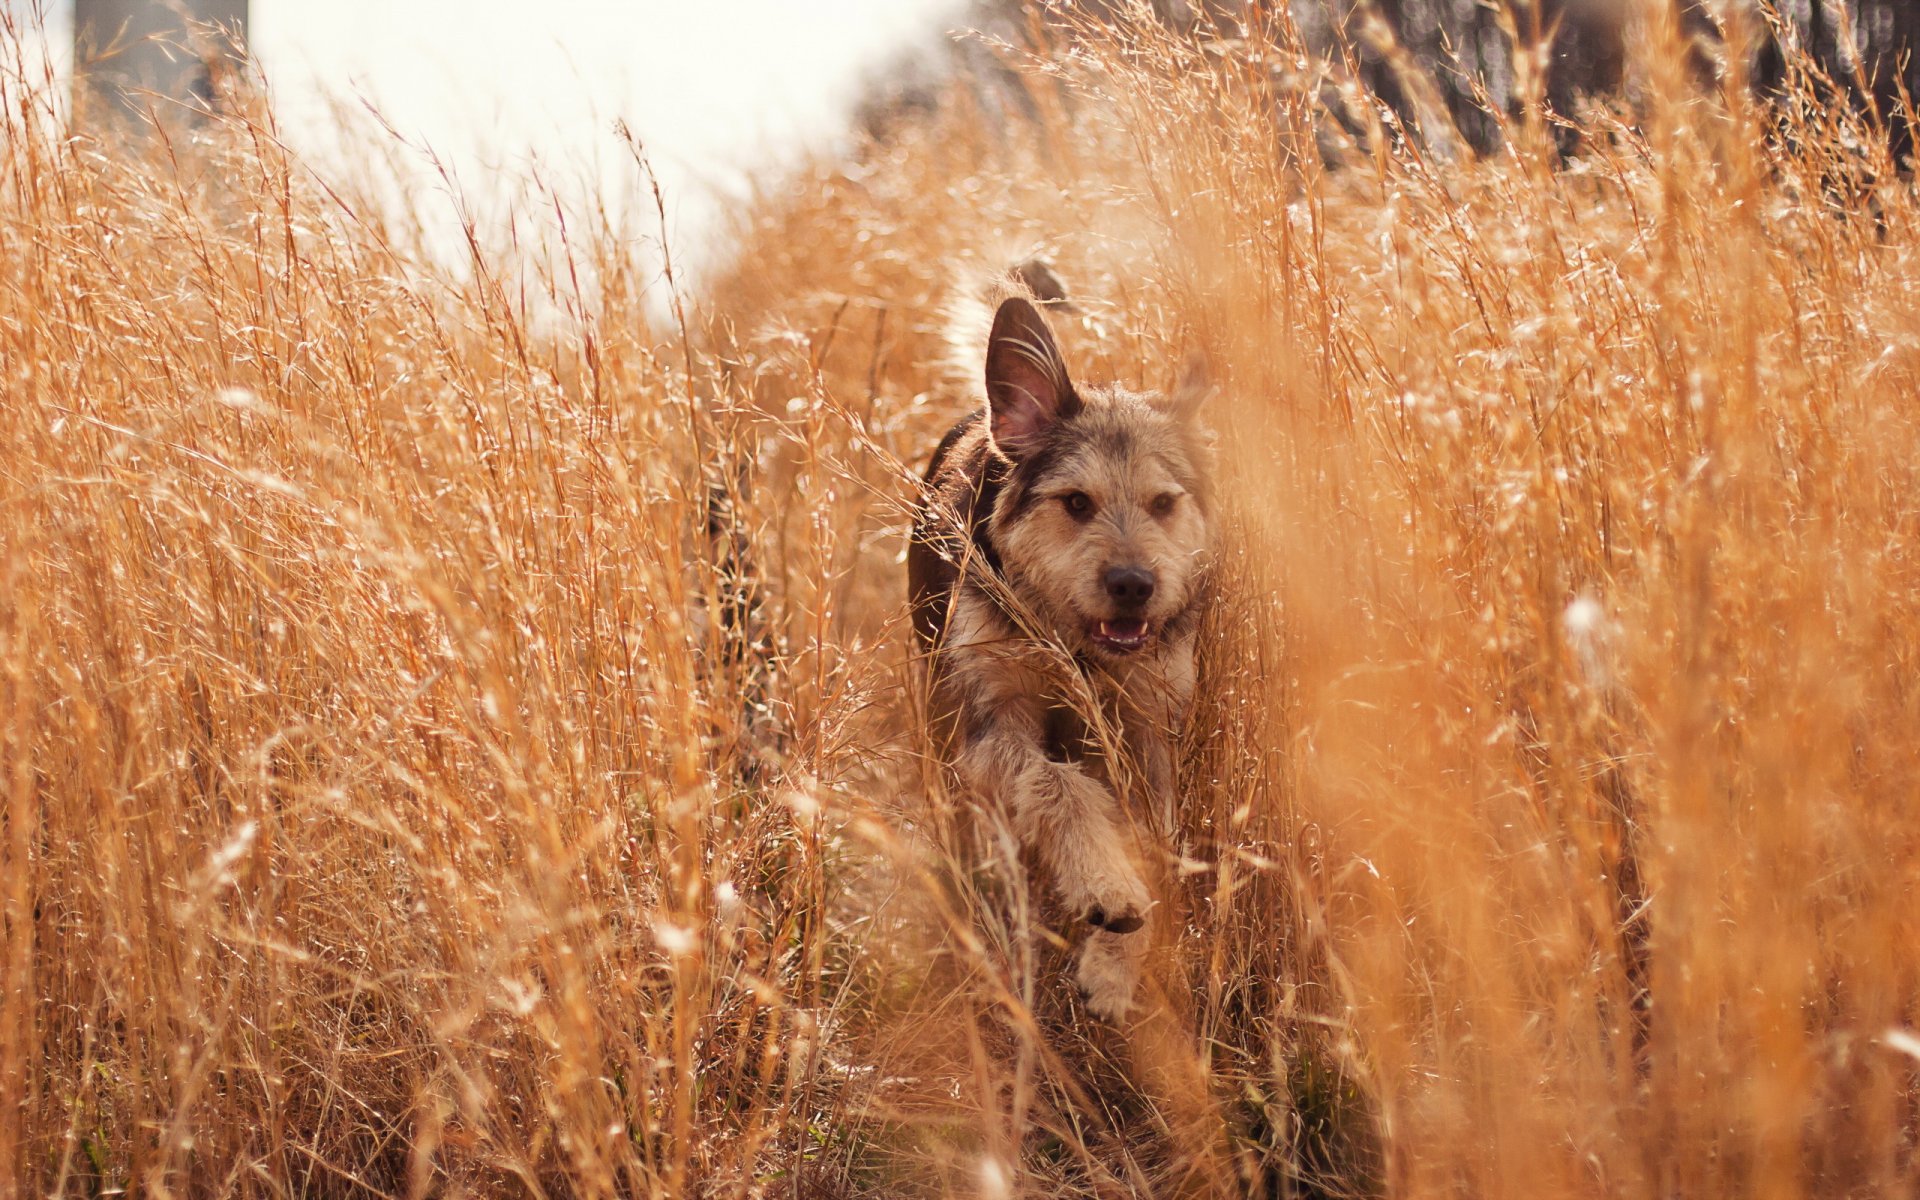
717,90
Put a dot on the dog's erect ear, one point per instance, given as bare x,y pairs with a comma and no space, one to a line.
1195,386
1027,386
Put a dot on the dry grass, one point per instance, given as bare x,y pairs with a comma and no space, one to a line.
457,737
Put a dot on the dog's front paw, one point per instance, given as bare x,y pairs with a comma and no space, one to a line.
1119,901
1109,973
1127,920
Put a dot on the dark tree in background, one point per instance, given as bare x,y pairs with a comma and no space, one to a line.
1885,34
1586,50
1465,49
1462,47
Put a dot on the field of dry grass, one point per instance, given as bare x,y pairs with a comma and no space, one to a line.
457,734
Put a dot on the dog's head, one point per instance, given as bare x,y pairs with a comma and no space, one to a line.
1104,522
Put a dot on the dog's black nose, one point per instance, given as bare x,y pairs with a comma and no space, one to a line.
1130,587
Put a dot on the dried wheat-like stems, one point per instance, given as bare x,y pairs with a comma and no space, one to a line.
458,735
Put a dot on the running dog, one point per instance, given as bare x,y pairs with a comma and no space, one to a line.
1057,571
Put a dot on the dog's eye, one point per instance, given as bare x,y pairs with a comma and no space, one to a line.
1078,503
1162,505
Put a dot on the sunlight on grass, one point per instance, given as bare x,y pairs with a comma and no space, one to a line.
459,735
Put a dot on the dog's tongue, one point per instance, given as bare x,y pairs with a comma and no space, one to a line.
1125,633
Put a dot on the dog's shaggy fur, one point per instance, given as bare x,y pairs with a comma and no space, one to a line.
1057,570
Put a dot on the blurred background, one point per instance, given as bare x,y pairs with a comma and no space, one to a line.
715,92
720,95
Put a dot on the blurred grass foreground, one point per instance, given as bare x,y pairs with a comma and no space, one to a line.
456,727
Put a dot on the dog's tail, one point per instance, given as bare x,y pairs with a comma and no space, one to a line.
969,314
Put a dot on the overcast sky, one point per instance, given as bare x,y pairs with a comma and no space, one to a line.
716,90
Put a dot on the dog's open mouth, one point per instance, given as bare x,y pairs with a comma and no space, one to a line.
1120,637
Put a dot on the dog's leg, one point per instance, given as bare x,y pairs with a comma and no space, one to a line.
1064,814
1154,706
1074,823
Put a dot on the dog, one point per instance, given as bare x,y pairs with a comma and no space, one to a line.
1057,571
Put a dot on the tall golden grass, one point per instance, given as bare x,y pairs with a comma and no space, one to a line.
459,737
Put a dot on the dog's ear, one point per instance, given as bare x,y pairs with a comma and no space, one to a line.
1187,397
1027,386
